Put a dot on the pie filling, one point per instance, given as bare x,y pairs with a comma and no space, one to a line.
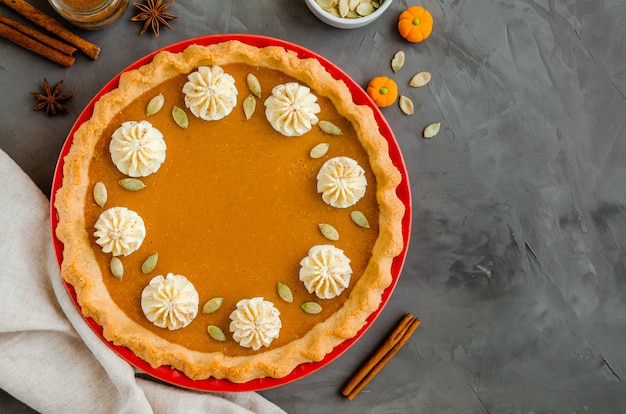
232,208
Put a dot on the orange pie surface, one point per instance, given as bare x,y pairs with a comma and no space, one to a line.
234,208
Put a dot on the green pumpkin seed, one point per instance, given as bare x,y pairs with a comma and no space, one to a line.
131,184
328,231
319,150
216,333
212,305
330,128
180,117
284,292
253,84
155,105
432,130
249,105
311,308
100,194
117,268
150,263
359,218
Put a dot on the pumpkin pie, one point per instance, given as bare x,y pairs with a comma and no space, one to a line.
229,211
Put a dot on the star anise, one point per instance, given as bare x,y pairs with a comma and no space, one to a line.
51,100
154,14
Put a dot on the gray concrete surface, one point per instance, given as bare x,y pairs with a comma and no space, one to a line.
516,262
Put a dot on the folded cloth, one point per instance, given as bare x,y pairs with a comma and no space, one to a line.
49,357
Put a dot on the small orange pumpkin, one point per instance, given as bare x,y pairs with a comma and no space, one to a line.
415,24
383,91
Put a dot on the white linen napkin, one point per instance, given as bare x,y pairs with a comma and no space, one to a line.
49,357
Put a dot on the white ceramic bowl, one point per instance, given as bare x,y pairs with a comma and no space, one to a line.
345,23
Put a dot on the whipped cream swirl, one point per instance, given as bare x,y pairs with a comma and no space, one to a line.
255,323
170,302
137,148
210,93
325,271
292,109
119,231
342,182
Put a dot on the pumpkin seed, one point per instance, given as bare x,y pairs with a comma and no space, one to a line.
329,231
284,292
333,11
249,105
180,117
155,105
398,61
253,84
100,194
212,305
344,8
150,263
365,9
330,128
319,150
349,9
326,4
359,218
117,268
216,333
432,130
406,105
420,79
131,184
311,308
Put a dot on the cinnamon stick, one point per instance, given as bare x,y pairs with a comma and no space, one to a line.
46,22
41,37
382,356
35,46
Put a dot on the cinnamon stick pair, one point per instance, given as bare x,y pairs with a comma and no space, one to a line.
40,43
37,42
383,354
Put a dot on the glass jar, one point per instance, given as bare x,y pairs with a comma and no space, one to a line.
90,14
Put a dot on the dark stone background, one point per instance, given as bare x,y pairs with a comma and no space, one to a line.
516,260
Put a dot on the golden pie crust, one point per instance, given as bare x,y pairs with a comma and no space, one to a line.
82,264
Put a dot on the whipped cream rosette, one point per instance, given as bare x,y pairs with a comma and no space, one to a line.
137,148
210,93
326,271
255,323
342,182
292,109
170,302
119,231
